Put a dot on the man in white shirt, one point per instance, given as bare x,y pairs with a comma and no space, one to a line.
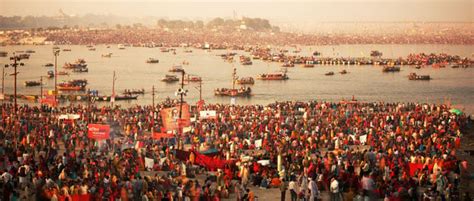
293,187
313,187
334,187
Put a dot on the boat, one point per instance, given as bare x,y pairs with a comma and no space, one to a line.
273,76
78,82
375,53
191,78
89,46
329,73
133,91
343,72
170,78
117,98
164,49
121,46
69,87
32,83
80,63
233,92
152,61
176,69
80,70
185,63
3,54
246,63
308,65
30,51
56,48
108,55
418,66
316,53
49,65
24,56
63,73
188,51
92,49
245,80
288,64
391,69
50,74
414,76
66,50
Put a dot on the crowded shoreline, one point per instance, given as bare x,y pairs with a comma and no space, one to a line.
344,150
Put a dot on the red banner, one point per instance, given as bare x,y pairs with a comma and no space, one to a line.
157,135
98,131
170,117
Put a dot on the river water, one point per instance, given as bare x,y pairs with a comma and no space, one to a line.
366,83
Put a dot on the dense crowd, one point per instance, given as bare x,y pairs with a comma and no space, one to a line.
349,150
233,36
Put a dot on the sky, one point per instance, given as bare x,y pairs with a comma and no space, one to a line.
286,11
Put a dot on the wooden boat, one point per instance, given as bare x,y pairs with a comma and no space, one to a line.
121,46
3,54
56,48
133,91
246,63
24,56
233,92
343,72
30,51
117,98
176,69
78,82
391,69
108,55
80,70
191,78
66,50
273,76
49,65
32,83
316,53
152,61
80,63
375,53
308,65
245,80
329,73
170,78
288,64
164,49
63,73
414,76
69,87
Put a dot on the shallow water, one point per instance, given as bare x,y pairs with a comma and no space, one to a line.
366,83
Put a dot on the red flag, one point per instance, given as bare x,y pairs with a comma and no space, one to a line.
98,131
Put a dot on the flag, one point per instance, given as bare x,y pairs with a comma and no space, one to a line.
170,117
98,131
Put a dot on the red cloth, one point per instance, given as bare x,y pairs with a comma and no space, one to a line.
209,162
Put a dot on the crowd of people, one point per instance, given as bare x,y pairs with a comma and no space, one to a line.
234,36
347,150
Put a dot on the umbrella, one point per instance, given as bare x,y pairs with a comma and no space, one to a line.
455,111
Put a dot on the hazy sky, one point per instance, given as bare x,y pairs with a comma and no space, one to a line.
282,10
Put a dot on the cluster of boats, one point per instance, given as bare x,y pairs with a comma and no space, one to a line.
330,73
